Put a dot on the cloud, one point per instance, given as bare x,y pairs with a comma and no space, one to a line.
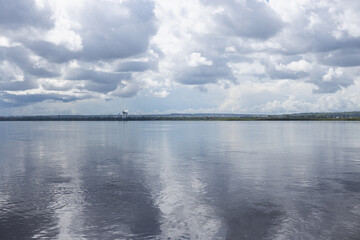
107,30
50,51
332,74
96,76
21,57
116,29
16,100
275,96
17,14
248,18
97,81
342,57
102,36
204,74
24,84
348,26
296,66
333,79
161,94
246,68
246,55
136,66
297,69
197,60
202,88
126,89
10,72
18,71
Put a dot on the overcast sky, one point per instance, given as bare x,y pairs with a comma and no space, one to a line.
244,56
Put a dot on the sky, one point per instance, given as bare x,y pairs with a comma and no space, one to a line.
188,56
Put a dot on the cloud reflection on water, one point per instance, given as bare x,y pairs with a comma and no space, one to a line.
206,180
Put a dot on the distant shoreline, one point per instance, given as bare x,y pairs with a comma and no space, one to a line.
344,116
193,120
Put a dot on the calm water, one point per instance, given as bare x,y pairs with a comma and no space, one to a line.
180,180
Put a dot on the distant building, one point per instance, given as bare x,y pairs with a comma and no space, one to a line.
125,114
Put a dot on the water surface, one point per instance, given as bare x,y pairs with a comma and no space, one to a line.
180,180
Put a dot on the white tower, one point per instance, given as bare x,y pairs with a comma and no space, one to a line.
125,114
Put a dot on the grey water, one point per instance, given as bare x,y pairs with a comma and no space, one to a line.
180,180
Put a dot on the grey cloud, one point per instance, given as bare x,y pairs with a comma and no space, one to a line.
240,19
98,81
112,31
204,74
17,14
319,41
315,76
327,87
100,87
334,84
343,57
299,37
133,66
201,88
96,76
50,51
276,74
322,41
13,100
249,18
109,30
65,87
127,93
20,56
127,90
157,50
27,83
108,33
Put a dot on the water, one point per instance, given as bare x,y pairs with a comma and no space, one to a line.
180,180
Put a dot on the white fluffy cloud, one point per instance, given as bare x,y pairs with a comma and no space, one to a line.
331,74
196,60
296,66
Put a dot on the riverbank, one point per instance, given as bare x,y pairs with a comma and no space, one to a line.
345,116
